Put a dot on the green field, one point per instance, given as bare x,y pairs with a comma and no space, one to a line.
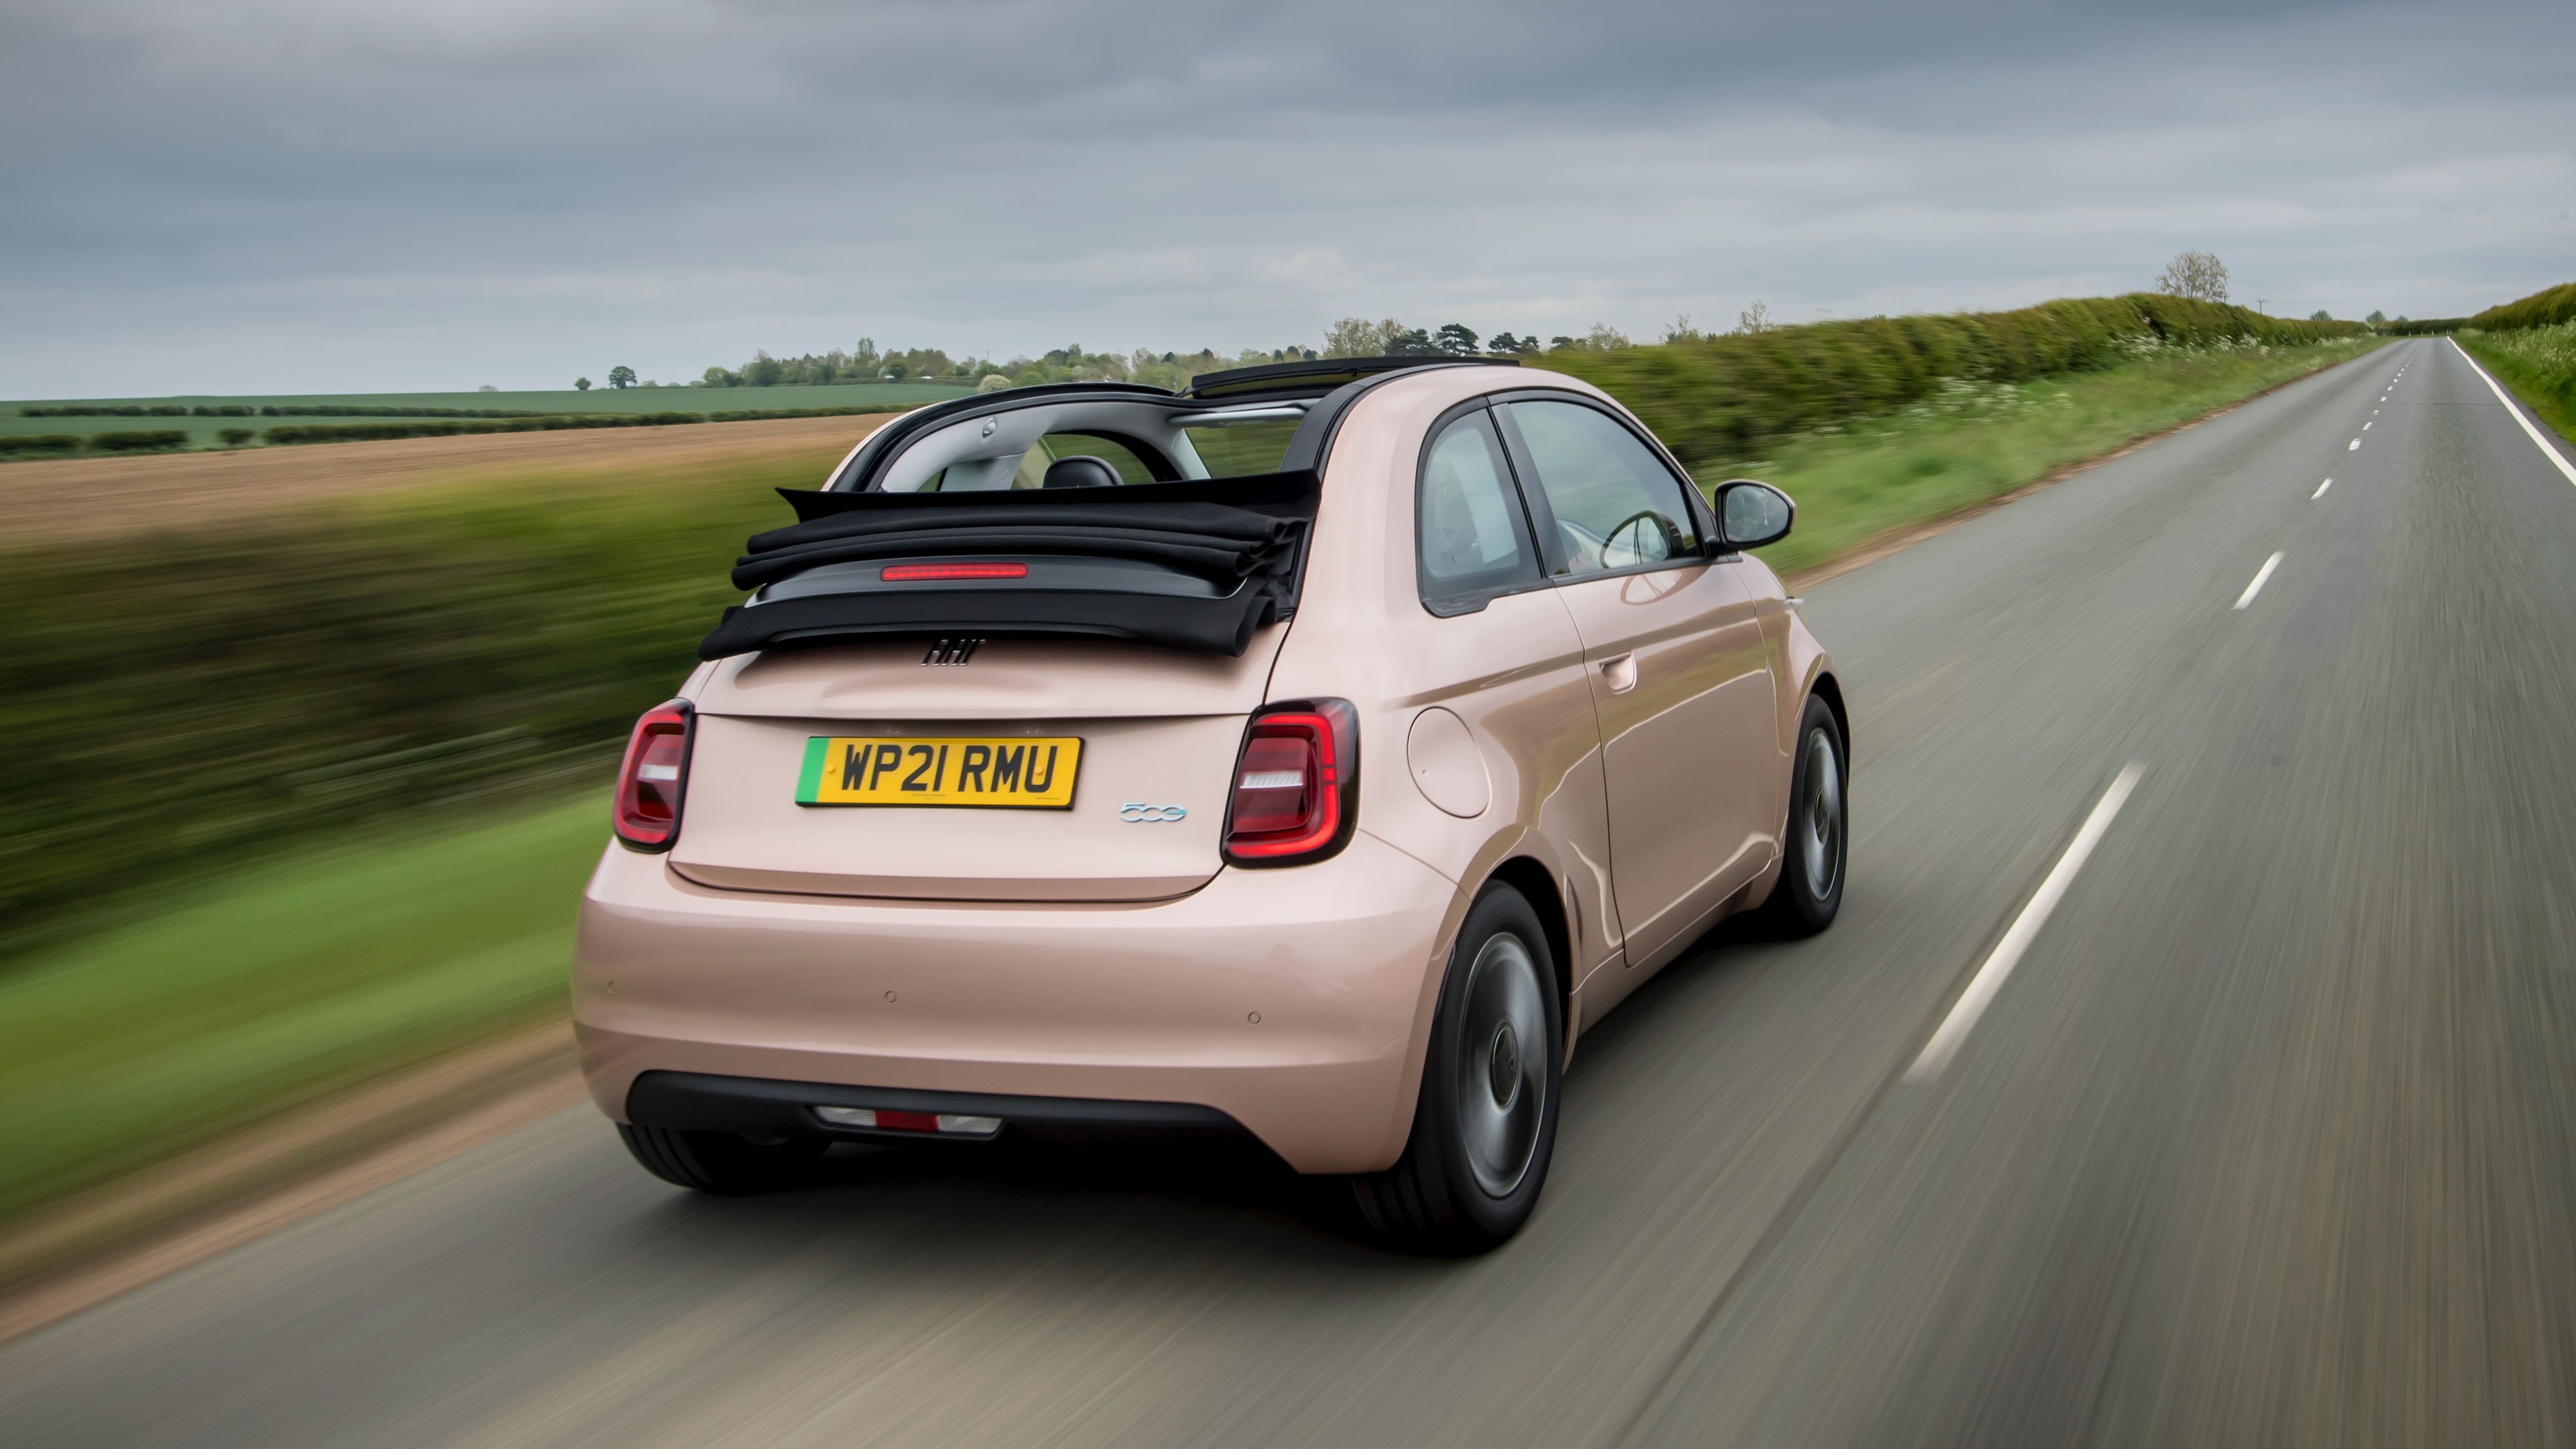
202,431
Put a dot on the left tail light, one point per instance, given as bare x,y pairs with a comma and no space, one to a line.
655,777
1296,785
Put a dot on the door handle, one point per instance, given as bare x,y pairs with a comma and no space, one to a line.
1620,673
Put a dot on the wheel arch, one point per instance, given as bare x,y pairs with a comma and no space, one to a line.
1830,690
1537,885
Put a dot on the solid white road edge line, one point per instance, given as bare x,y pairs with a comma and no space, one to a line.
2260,575
2537,441
1999,962
2321,490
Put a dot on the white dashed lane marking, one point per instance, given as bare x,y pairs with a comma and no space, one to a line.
2260,575
2321,490
1999,962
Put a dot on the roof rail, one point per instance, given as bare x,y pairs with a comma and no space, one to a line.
1321,371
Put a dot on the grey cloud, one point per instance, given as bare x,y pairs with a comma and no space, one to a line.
289,193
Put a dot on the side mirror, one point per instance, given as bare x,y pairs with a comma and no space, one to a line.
1751,514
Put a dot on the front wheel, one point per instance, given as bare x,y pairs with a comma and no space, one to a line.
1816,845
1484,1124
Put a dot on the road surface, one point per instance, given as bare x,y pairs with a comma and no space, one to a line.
2265,1133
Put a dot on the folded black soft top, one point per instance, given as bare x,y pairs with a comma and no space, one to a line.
1245,537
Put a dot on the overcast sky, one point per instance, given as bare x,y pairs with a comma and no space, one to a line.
270,195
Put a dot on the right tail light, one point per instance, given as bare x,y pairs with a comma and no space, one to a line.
1296,785
655,777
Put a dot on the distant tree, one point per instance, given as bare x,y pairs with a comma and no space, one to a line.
487,387
581,384
1412,342
2321,315
621,377
2376,318
1562,343
2200,276
763,371
1605,338
896,371
1359,337
1456,339
1681,330
1753,319
2401,318
994,383
1502,344
233,437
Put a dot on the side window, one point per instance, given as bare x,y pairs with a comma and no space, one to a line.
1617,506
1471,537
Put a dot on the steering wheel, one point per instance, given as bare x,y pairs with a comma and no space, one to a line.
1643,515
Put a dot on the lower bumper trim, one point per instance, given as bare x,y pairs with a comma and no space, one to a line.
761,1107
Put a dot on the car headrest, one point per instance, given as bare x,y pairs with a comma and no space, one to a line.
1079,472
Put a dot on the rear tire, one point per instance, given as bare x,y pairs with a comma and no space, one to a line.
722,1163
1815,845
1484,1124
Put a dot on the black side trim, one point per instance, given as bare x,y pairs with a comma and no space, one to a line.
761,1107
1321,370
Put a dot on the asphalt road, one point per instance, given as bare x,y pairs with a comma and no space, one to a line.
2268,1137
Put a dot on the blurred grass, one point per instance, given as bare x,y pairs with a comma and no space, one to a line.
1972,442
260,990
179,699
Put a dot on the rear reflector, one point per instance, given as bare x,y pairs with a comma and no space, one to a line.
920,573
1296,787
888,1119
653,778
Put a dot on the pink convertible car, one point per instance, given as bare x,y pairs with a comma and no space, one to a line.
1311,754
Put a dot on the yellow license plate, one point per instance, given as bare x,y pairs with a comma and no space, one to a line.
1022,773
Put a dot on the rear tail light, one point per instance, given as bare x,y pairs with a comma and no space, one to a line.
655,776
1296,785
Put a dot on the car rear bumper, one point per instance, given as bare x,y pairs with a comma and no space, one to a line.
1290,1001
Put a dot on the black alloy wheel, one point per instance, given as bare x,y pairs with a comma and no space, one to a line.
1484,1124
1816,845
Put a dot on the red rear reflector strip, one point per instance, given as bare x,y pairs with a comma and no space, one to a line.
916,573
890,1119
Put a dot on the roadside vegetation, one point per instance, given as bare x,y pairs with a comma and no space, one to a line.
2538,363
304,799
1969,442
2530,345
256,991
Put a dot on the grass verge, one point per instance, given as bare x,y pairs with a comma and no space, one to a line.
280,986
1973,442
2538,363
